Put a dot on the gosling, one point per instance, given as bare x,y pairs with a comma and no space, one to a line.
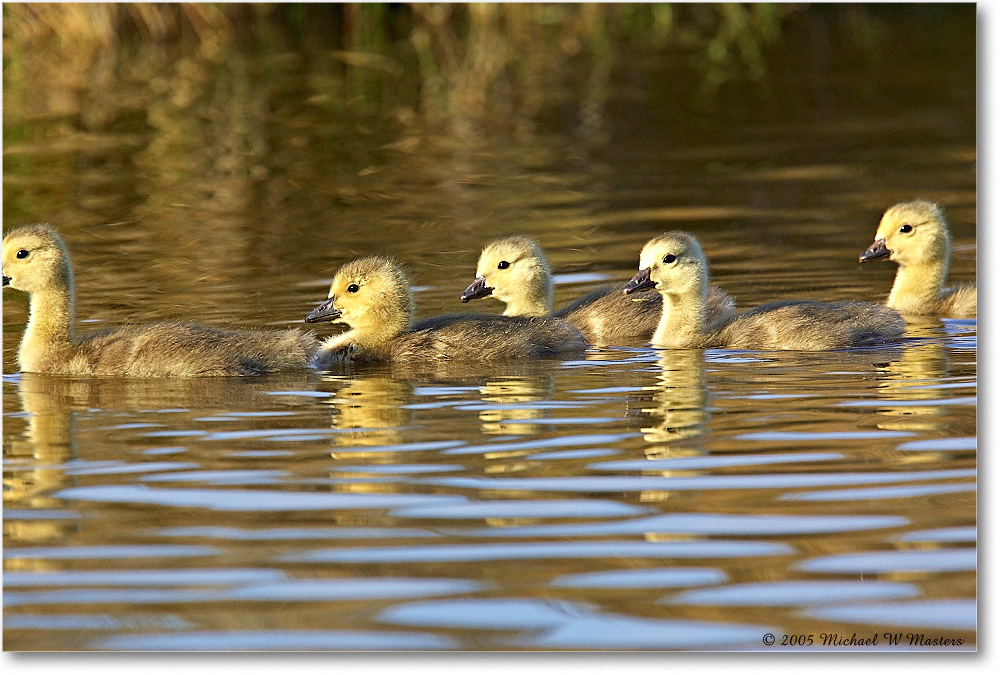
373,297
675,266
36,261
514,270
915,236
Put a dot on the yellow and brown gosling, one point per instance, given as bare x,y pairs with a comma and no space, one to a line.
36,261
915,236
673,264
372,296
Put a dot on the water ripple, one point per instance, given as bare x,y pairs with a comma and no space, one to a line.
159,577
249,500
794,593
297,533
640,483
276,640
896,492
543,551
887,562
519,508
562,441
102,552
942,614
714,461
698,523
654,577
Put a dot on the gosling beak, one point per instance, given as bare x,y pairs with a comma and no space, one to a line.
325,311
6,281
640,282
876,250
477,289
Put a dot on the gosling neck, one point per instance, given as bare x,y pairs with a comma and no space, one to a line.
682,322
50,322
367,341
917,286
530,300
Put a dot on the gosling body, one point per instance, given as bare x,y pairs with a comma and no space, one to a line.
515,271
36,261
372,296
674,265
915,236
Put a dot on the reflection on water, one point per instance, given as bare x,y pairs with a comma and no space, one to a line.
681,403
502,413
749,489
920,375
629,498
372,410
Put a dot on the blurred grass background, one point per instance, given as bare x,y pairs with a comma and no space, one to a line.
454,56
287,110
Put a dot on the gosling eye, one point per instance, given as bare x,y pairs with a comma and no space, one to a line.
669,258
503,265
353,288
905,227
23,253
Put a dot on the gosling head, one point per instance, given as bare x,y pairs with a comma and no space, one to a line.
369,295
514,271
34,259
672,263
911,233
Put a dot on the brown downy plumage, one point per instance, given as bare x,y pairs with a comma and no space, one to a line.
372,296
514,270
35,260
915,236
675,266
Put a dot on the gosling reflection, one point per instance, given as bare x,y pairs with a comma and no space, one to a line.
53,404
370,409
906,379
680,401
508,392
46,442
